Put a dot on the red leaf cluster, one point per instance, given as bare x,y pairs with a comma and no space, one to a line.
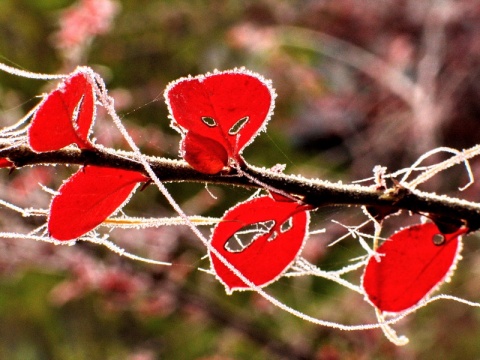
218,115
86,199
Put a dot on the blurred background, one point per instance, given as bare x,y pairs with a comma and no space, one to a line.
359,83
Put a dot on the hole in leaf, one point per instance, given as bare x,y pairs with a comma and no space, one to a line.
76,112
247,235
272,236
209,121
287,225
238,126
438,239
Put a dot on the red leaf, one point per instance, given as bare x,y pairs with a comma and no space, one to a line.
5,163
204,154
87,198
228,107
411,266
276,232
65,116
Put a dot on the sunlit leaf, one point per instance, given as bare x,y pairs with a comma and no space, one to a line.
410,264
229,108
65,116
253,237
87,198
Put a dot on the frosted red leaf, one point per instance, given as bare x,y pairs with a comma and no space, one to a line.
87,198
65,116
204,154
5,163
274,234
413,262
229,108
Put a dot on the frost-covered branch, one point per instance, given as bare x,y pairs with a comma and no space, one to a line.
315,192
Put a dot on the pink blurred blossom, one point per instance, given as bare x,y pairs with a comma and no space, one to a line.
80,23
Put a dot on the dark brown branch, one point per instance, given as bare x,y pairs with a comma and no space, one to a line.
314,192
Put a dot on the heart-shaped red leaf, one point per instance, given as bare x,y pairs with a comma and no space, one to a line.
65,116
228,107
413,262
274,234
87,198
